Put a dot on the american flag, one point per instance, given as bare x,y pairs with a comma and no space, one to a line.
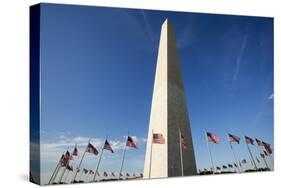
249,140
85,170
183,141
65,159
75,152
131,142
70,168
233,138
158,138
257,159
267,147
92,149
266,153
244,161
105,174
61,159
213,138
259,142
107,146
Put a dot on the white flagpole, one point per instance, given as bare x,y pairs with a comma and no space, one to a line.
81,174
241,166
150,162
60,179
269,155
55,175
59,170
97,168
65,180
265,162
251,156
55,171
210,152
235,158
64,170
80,162
123,156
261,151
180,142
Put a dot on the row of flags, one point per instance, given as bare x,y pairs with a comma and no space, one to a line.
67,157
105,174
232,138
265,149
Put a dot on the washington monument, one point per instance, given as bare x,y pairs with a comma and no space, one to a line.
169,122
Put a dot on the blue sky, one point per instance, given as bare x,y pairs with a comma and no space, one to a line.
97,74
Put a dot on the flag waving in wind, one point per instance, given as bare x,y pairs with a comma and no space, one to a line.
249,140
259,142
131,142
213,138
244,161
233,138
75,153
66,158
92,149
85,170
70,168
183,141
267,147
107,146
158,138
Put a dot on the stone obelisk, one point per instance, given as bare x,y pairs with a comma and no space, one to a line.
169,116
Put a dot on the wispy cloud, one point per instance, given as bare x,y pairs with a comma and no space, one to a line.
239,57
147,26
270,97
186,36
56,147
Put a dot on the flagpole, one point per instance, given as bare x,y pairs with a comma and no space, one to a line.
55,171
80,177
242,169
180,142
210,152
58,169
55,176
97,168
66,176
251,156
150,162
271,160
261,151
123,157
265,162
233,153
65,167
60,179
80,162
